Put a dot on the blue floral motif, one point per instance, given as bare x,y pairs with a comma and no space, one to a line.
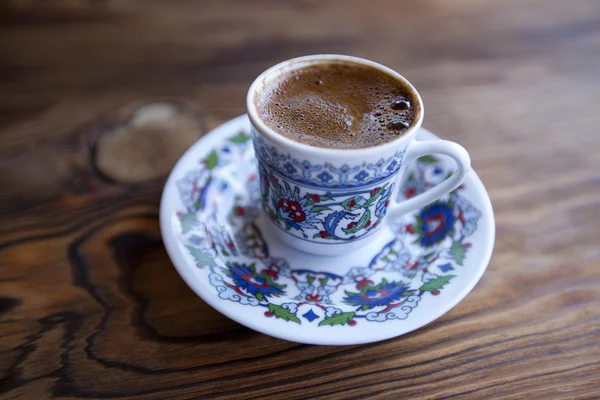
381,295
289,168
392,166
325,177
377,167
258,285
306,168
343,171
361,176
435,222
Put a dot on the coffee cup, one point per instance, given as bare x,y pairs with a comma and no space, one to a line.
329,201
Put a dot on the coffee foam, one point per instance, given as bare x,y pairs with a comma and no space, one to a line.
337,106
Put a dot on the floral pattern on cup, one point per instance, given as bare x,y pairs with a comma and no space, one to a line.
323,215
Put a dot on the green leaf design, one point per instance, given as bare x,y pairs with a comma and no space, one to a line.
201,258
428,159
366,288
287,186
187,222
323,281
407,293
458,251
338,319
282,313
374,198
267,277
346,203
240,138
310,279
259,296
362,222
324,197
212,159
437,283
317,209
277,186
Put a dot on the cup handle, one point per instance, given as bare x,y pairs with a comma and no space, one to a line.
422,148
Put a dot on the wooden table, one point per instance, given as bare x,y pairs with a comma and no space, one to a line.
91,305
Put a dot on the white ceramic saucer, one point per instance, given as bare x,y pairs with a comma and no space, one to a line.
419,268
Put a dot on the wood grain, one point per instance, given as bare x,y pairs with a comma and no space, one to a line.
90,305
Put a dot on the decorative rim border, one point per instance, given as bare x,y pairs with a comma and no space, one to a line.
347,175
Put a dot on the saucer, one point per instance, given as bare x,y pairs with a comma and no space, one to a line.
418,268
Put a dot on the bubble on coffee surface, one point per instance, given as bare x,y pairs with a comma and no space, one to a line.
337,106
400,104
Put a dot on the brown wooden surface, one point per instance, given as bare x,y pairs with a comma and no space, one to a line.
91,305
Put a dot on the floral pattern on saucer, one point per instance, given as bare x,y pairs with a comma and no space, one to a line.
221,201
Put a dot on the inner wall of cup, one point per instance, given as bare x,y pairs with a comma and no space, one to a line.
279,72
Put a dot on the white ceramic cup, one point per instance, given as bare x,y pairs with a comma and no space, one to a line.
331,201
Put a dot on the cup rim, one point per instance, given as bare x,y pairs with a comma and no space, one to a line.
299,62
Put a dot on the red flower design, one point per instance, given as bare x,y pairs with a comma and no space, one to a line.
271,272
410,192
313,297
414,265
293,209
368,224
351,225
314,197
363,282
324,234
352,203
374,191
